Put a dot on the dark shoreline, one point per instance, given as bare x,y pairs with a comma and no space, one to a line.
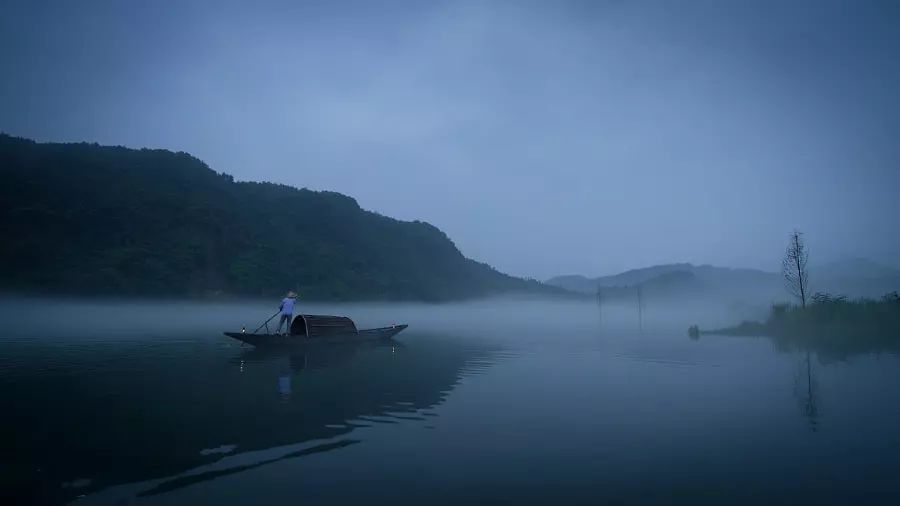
829,325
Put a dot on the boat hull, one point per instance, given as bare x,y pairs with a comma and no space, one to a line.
279,341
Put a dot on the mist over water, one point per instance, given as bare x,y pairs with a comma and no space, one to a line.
519,400
689,208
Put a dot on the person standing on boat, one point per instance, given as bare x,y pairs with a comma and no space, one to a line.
287,311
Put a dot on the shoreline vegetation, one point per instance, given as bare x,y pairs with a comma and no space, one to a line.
832,325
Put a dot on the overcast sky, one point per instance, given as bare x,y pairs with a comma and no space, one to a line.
544,137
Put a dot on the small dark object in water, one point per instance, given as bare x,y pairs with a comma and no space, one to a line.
308,329
694,332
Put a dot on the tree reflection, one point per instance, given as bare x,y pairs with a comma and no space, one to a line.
806,392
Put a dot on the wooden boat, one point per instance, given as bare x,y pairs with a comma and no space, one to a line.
312,329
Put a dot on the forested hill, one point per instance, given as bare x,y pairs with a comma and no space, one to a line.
83,218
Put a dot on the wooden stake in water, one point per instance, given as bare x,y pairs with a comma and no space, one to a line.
640,304
600,302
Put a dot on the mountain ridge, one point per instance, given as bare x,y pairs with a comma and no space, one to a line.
91,219
854,277
639,275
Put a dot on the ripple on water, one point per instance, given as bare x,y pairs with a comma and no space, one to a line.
219,450
665,361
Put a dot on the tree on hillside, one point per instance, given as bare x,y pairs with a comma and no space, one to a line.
793,267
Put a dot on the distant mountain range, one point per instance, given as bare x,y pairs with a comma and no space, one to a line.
856,268
852,276
855,276
682,280
84,218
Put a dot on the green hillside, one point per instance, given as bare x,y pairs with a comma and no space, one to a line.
89,219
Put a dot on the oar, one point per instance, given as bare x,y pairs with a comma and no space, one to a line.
265,323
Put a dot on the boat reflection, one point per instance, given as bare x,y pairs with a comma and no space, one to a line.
319,357
268,403
284,386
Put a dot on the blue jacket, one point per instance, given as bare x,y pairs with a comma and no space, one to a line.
287,306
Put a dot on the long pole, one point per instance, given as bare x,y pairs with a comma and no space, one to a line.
267,321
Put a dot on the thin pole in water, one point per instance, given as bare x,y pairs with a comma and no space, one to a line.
640,310
600,302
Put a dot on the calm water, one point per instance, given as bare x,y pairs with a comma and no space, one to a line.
513,402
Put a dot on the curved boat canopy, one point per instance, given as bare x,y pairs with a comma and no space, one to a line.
314,325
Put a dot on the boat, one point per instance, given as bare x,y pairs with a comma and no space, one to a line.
312,329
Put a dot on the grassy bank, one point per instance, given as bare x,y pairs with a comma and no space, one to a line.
829,324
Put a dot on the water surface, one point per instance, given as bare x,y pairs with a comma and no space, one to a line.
519,402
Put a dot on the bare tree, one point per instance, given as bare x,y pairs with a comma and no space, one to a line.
793,267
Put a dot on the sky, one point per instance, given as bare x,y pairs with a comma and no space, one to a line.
544,138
